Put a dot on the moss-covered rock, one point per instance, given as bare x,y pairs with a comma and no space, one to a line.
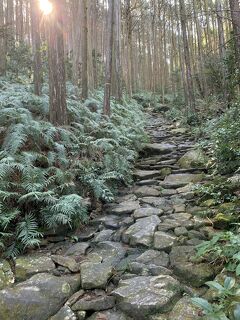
28,265
193,159
222,221
6,275
38,298
184,310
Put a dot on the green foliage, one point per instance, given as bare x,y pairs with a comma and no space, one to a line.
46,172
227,306
220,190
223,249
19,58
226,142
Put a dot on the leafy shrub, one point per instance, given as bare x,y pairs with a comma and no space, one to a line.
227,306
226,142
223,249
46,172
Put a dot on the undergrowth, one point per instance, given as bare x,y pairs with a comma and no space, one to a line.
48,172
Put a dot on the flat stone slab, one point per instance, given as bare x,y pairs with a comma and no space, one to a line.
182,179
154,257
110,252
146,191
142,231
159,148
147,212
95,275
27,266
158,202
67,262
163,240
193,274
146,174
141,296
94,302
77,249
125,207
109,315
38,298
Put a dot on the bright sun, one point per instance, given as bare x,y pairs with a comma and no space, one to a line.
46,6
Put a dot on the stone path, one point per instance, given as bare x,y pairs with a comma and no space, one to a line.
136,260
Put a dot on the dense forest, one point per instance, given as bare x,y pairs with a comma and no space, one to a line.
125,108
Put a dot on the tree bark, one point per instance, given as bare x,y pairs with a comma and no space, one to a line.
235,15
85,52
109,59
36,44
190,93
56,63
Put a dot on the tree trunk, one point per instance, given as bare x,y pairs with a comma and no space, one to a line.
109,50
235,15
190,94
56,63
117,52
36,43
2,42
85,52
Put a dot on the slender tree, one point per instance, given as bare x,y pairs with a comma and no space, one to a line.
235,15
190,93
36,43
85,50
109,58
2,41
56,63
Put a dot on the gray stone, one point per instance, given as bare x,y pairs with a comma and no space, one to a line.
168,192
182,179
154,257
6,275
180,231
146,174
103,235
66,262
28,265
111,252
150,182
65,313
158,270
109,315
94,302
138,268
168,224
193,159
159,148
77,249
147,212
180,216
141,232
125,207
38,298
184,310
160,203
146,191
95,275
195,275
163,241
179,208
141,296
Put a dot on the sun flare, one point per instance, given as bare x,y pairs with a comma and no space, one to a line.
45,6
